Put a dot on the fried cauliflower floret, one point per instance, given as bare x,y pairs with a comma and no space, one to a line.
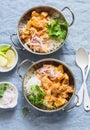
34,13
46,83
35,22
65,79
60,102
44,14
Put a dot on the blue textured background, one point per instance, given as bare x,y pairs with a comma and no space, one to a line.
79,36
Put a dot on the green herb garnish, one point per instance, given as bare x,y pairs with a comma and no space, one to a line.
57,30
3,88
5,48
25,111
36,95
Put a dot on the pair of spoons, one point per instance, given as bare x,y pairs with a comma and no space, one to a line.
83,61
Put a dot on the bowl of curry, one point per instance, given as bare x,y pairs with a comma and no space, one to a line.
42,30
48,85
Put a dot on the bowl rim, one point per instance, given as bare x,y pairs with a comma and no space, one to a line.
29,50
15,51
54,60
12,85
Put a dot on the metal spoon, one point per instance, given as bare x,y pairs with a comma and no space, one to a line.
86,95
82,62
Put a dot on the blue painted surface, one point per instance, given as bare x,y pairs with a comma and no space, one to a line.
79,36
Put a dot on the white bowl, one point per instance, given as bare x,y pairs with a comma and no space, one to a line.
5,69
13,93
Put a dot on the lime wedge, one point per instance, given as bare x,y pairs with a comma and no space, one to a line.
4,48
3,61
11,58
2,54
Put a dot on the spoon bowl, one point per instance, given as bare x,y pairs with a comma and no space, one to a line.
82,58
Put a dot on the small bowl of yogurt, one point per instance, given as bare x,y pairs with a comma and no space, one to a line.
8,95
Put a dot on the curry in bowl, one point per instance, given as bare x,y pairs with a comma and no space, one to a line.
43,33
42,30
48,87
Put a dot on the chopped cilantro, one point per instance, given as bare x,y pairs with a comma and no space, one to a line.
3,88
25,111
57,30
36,95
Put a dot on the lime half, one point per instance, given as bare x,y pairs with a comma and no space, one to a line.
11,58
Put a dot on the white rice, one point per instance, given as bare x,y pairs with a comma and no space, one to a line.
54,45
32,81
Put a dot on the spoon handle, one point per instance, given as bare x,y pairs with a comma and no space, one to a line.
86,95
86,99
